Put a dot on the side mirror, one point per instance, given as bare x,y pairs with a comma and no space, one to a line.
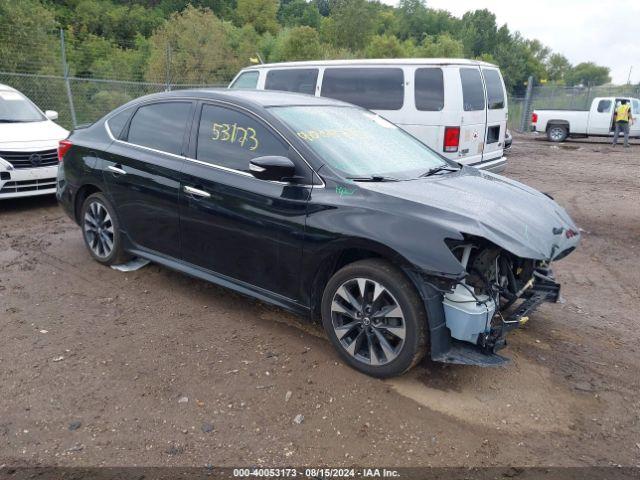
51,114
272,167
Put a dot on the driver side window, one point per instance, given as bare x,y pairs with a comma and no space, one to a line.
230,139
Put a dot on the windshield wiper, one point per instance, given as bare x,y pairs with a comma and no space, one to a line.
8,120
441,168
374,178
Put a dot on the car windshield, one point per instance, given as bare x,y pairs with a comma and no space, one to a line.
359,143
14,107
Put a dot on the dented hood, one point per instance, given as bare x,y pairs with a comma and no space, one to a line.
515,217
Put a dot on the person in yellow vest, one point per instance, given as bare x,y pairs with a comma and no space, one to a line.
622,119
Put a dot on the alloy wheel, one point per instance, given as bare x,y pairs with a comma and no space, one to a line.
98,229
556,134
368,321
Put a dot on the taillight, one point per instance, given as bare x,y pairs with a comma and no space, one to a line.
63,147
451,139
534,118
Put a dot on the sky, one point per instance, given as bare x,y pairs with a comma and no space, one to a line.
605,32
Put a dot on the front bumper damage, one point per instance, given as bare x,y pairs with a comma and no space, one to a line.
446,349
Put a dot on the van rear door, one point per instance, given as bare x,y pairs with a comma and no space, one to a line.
496,114
474,117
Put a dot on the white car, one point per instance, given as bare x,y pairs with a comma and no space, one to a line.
28,146
457,107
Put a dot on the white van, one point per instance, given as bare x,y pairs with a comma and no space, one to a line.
458,107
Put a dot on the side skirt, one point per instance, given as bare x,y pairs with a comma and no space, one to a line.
224,281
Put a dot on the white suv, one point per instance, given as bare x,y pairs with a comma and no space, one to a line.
28,146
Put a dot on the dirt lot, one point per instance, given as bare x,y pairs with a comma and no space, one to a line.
99,367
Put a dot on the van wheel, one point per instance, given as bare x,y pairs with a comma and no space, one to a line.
557,133
375,318
101,231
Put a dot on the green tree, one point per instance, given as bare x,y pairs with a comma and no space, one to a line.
192,47
299,13
441,46
351,24
557,67
588,74
261,14
479,32
298,43
385,46
412,19
29,39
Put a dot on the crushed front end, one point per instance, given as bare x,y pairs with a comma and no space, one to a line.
470,317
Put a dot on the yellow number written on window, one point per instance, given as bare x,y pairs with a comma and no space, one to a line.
313,135
246,137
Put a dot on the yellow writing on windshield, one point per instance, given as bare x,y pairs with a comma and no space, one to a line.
246,137
312,135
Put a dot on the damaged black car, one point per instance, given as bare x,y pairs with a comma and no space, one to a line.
324,209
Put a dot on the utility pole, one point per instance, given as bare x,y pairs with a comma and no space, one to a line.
629,77
65,73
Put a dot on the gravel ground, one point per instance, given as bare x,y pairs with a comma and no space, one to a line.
99,367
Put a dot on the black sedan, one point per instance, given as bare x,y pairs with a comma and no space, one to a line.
324,209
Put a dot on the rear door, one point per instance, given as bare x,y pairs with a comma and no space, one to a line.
496,114
142,174
474,116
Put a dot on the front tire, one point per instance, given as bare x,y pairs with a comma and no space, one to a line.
557,133
375,318
101,231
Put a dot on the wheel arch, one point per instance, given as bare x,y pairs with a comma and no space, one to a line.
343,253
558,123
81,195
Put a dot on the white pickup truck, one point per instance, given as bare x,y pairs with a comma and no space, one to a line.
558,125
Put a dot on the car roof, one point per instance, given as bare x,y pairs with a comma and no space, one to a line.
371,62
5,88
261,98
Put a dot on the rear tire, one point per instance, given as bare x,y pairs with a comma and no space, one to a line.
557,133
101,230
375,318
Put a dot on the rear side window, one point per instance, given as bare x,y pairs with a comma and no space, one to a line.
636,107
230,139
495,92
117,123
604,106
297,80
372,88
160,126
472,89
429,86
246,80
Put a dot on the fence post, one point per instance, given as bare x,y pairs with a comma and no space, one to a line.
65,72
167,72
527,106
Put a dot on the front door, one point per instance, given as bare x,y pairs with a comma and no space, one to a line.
601,119
233,224
142,175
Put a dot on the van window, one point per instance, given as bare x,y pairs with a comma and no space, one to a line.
472,89
372,88
429,86
230,139
246,80
160,126
300,80
495,92
604,106
636,107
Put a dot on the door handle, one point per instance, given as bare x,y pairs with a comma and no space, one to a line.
196,193
116,169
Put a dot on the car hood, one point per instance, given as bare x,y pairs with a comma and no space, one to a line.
18,135
515,217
